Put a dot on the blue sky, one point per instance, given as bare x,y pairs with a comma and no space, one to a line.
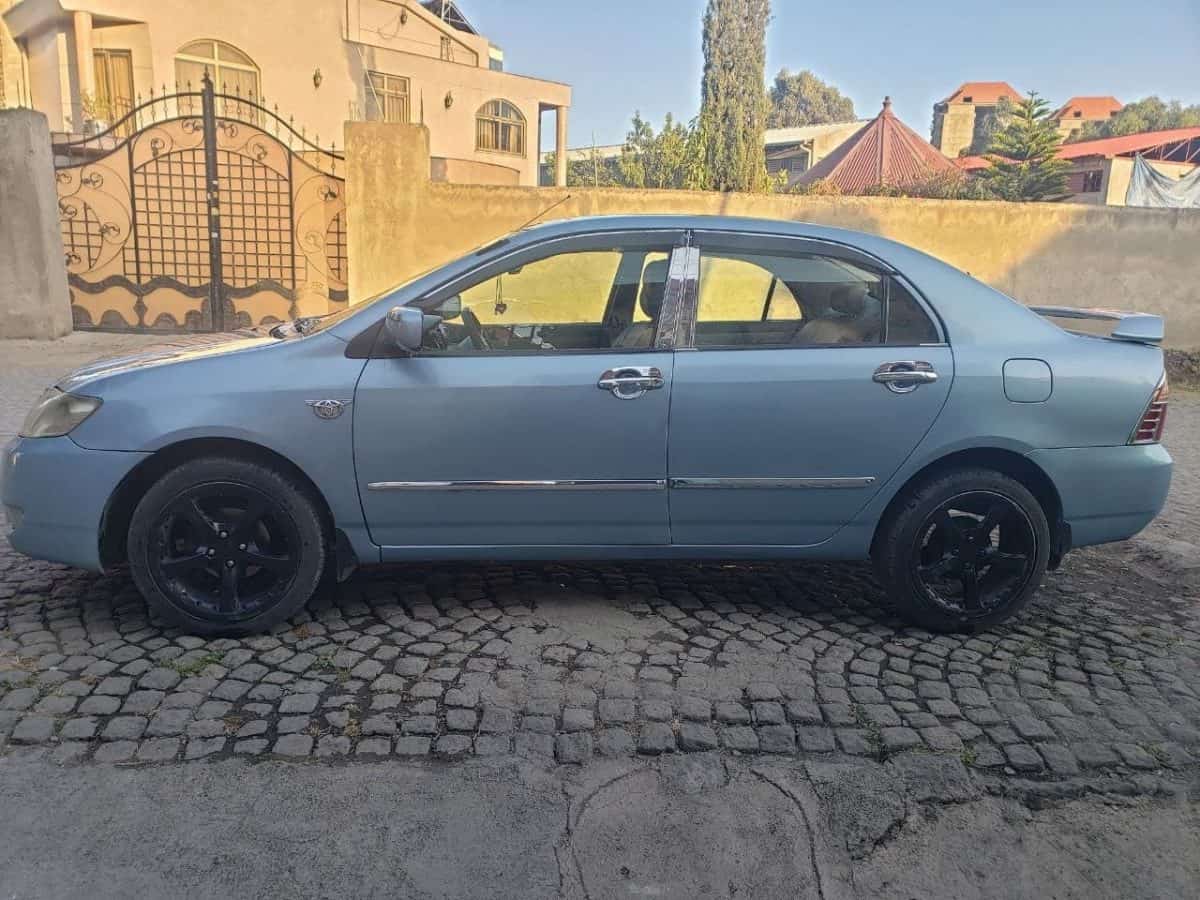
621,55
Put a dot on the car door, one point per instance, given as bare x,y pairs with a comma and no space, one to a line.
535,415
814,372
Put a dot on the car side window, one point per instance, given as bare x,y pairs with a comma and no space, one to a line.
584,300
765,300
908,324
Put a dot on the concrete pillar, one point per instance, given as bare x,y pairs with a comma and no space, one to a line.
85,66
560,146
34,299
387,183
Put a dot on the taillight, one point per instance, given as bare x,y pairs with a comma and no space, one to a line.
1150,428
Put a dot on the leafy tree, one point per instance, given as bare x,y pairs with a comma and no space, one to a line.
942,186
593,170
1148,114
1024,155
804,99
727,149
647,160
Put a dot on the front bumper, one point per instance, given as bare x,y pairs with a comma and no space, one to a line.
54,493
1108,493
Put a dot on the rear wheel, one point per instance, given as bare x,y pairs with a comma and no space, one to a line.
227,546
965,549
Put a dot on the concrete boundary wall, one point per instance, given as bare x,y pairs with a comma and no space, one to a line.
34,298
400,224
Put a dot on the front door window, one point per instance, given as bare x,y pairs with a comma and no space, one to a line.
589,300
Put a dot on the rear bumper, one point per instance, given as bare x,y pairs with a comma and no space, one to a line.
54,493
1108,493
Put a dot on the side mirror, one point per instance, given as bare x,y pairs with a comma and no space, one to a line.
406,326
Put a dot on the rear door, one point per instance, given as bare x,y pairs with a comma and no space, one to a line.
813,373
535,416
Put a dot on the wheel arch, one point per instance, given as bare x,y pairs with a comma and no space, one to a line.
1008,462
118,512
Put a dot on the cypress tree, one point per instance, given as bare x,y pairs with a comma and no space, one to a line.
728,150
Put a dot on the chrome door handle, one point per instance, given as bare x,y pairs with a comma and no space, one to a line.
905,376
631,382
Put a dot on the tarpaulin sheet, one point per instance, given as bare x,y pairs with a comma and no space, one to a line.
1149,187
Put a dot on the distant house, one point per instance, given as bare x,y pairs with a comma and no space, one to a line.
796,150
963,116
1078,111
85,64
885,151
1101,169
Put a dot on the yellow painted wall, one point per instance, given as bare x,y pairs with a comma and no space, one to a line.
401,224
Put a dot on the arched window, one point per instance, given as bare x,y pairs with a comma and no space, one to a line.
499,126
231,70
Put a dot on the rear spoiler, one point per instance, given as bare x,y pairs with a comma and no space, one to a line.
1141,328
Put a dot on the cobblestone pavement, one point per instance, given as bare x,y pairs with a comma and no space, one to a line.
1099,680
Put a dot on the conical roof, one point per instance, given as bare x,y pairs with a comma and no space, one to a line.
884,151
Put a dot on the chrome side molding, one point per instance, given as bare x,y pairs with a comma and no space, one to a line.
569,485
660,484
759,484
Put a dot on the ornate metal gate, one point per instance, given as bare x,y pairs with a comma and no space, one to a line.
212,214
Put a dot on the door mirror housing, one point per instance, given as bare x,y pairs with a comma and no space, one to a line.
406,327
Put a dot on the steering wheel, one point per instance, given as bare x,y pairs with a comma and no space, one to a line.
474,330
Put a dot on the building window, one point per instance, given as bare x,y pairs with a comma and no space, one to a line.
447,49
231,70
1092,181
500,126
387,98
114,88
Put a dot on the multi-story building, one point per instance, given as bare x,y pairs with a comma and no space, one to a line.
963,117
84,63
1078,111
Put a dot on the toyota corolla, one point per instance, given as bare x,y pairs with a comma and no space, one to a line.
618,388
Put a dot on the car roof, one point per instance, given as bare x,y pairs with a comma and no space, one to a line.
745,224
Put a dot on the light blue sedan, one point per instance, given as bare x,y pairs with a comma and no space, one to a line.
637,387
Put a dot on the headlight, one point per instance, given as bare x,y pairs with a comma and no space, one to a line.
56,414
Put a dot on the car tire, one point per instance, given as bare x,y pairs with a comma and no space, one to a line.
962,550
227,546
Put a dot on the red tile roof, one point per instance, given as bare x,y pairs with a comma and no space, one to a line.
1090,108
884,151
986,93
1127,143
972,163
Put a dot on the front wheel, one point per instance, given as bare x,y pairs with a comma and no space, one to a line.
226,546
965,549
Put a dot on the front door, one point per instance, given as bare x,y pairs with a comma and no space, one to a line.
813,376
535,415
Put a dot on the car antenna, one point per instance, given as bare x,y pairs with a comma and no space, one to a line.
544,211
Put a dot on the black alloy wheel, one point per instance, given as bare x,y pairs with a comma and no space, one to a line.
228,546
974,554
224,552
962,549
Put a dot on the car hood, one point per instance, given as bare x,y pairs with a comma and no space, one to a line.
175,350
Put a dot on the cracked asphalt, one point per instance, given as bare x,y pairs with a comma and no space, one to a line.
601,729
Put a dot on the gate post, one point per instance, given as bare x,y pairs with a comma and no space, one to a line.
208,106
35,301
